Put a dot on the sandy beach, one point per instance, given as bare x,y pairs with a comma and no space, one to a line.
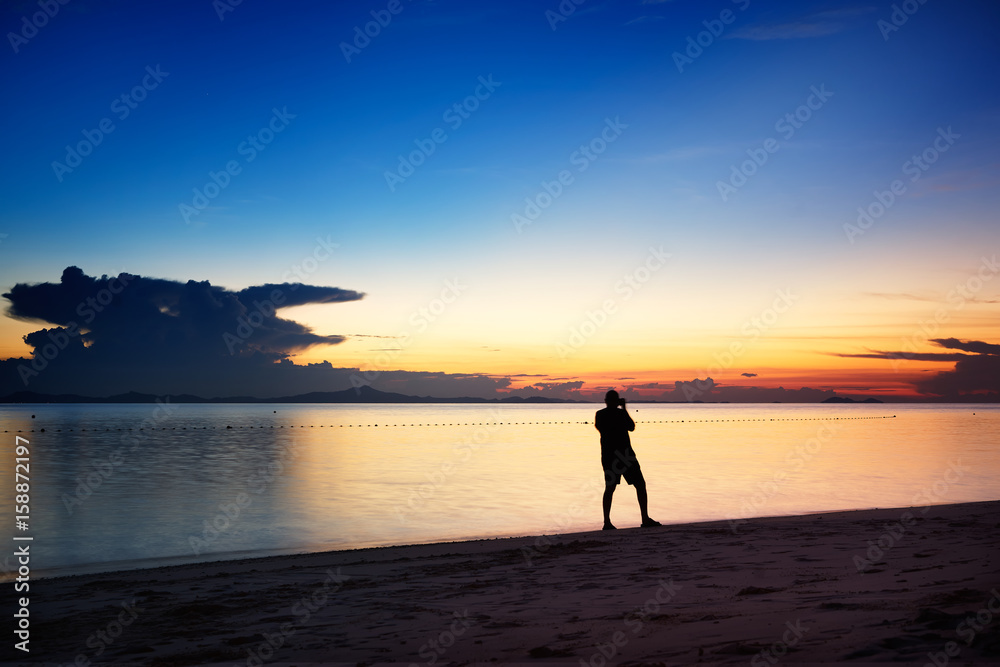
919,585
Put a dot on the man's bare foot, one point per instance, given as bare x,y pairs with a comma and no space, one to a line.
647,523
608,526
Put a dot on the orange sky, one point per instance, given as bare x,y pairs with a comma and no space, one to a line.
788,337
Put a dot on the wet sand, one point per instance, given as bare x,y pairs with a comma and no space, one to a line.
920,585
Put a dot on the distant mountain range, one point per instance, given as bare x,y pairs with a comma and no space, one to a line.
359,395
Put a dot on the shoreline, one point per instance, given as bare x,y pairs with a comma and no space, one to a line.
161,562
683,593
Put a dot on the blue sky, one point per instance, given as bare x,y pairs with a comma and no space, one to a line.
323,175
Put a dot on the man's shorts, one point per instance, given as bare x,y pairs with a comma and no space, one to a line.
616,469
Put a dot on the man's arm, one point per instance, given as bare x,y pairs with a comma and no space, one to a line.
628,419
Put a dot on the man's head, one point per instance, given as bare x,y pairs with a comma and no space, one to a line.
611,398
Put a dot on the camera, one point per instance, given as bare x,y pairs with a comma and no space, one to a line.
621,402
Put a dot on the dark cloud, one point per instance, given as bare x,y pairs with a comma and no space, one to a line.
133,332
906,356
561,390
976,375
682,391
297,294
974,346
749,375
972,375
709,390
690,390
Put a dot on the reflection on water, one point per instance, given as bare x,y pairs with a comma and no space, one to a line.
313,477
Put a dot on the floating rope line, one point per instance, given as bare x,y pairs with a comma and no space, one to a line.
588,423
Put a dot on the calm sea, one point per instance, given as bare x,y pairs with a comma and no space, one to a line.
115,486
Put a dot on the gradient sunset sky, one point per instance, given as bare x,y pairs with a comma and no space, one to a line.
697,168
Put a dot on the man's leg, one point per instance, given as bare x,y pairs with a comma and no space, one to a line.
609,491
640,494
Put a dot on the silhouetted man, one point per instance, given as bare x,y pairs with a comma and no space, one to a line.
617,457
